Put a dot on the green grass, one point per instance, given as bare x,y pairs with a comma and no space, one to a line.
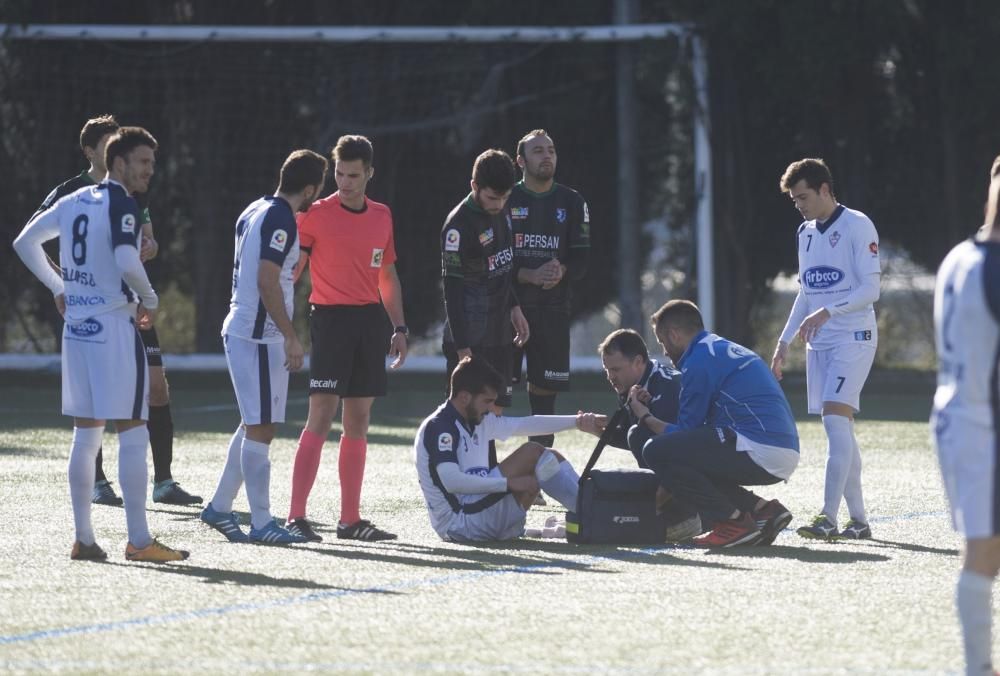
421,605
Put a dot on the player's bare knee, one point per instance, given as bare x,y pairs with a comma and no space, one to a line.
982,555
261,433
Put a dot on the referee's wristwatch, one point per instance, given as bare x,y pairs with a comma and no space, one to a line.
402,328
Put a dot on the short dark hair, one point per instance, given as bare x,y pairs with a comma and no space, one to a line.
97,128
812,170
124,141
473,375
625,341
495,170
527,137
680,314
302,169
353,147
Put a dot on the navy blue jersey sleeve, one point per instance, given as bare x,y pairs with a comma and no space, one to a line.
441,441
278,234
991,280
124,214
696,394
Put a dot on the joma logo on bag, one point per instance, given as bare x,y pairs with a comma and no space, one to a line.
625,519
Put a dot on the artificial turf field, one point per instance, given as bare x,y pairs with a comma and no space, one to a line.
419,605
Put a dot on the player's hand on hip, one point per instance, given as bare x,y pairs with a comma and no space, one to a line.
811,324
60,301
294,354
521,329
397,348
778,360
145,318
149,249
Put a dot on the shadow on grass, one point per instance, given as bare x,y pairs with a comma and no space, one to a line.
807,554
500,556
911,547
242,578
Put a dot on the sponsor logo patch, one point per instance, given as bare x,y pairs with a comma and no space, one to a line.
586,213
873,247
128,223
556,375
478,471
445,442
518,213
822,277
278,240
88,328
327,384
500,259
486,236
737,351
528,240
862,335
452,240
75,301
625,519
377,257
834,238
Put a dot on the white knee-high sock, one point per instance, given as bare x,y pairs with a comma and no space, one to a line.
973,599
133,476
840,456
563,485
257,475
232,475
82,455
853,496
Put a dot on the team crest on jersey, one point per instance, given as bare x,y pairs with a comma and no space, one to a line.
737,351
519,212
486,237
377,257
444,442
873,247
278,240
128,223
452,240
561,215
834,238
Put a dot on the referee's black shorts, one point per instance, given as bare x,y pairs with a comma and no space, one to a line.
547,349
498,356
152,344
349,344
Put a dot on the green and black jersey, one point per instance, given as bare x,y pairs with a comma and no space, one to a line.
477,266
552,224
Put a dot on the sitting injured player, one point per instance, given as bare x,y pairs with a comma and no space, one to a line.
467,501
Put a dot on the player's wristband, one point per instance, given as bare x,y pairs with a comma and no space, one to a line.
402,328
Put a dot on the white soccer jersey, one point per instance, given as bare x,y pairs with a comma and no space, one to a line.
444,437
91,223
967,332
834,258
266,230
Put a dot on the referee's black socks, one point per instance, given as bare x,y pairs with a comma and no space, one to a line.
543,404
161,440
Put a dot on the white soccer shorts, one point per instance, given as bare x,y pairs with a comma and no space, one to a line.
967,453
838,374
503,520
104,371
260,379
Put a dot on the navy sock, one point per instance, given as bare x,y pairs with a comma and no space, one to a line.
161,439
543,404
99,474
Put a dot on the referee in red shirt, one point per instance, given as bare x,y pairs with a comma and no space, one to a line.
347,241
